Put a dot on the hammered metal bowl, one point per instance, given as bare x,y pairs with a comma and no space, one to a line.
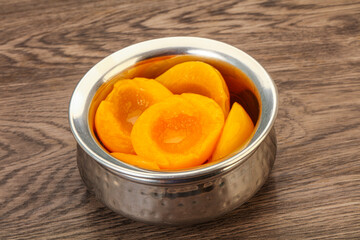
176,197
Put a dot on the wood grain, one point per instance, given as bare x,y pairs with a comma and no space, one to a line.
311,49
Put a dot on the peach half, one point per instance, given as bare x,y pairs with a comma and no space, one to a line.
200,78
116,115
180,132
237,132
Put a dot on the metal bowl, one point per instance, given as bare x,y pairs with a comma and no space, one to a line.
191,195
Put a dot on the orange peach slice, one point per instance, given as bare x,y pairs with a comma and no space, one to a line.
200,78
237,131
136,161
117,114
180,132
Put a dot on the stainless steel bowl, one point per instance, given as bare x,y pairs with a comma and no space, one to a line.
175,197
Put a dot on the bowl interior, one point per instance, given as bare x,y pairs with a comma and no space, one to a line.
241,88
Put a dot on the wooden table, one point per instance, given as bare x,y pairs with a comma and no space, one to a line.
311,49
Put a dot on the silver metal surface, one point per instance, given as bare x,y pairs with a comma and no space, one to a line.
177,197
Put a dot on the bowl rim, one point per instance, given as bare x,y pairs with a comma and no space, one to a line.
85,89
